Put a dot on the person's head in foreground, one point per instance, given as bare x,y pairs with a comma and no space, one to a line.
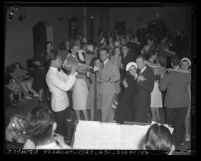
40,128
41,125
158,137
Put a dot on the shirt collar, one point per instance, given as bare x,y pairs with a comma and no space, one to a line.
53,68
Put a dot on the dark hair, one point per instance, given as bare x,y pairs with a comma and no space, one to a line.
127,46
105,49
151,53
133,36
113,51
141,56
162,61
62,46
151,37
158,137
55,56
175,60
39,124
92,63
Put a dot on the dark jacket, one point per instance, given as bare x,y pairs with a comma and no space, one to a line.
142,98
125,109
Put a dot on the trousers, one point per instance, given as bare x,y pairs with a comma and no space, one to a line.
176,118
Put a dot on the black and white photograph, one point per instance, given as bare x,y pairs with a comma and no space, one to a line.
100,76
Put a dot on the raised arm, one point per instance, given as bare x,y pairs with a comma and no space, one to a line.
63,85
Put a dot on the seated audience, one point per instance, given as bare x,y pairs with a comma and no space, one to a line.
12,91
24,80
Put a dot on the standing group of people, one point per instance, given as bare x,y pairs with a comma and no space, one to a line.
126,83
122,79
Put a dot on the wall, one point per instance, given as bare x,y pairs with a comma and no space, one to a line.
19,39
100,17
175,17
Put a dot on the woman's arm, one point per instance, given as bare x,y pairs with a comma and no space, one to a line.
151,65
169,52
178,70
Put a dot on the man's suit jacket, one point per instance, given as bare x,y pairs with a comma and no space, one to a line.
109,70
176,84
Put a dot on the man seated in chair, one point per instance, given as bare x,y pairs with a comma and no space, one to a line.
23,79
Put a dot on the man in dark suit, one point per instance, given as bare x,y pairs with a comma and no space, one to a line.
142,98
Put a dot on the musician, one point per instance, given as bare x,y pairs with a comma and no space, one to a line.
58,83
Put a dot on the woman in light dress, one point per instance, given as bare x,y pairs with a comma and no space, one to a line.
80,88
156,96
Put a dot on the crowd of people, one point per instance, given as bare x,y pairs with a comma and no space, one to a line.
123,78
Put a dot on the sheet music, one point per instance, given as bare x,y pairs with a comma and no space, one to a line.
97,135
132,136
86,135
109,137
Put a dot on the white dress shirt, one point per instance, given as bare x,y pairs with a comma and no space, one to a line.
58,83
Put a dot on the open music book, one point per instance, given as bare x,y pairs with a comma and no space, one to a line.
109,136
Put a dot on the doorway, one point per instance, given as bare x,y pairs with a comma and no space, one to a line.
42,32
